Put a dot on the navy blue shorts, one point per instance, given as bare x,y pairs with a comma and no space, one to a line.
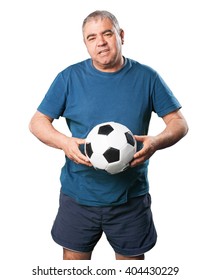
129,227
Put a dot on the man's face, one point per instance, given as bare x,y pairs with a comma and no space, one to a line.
103,44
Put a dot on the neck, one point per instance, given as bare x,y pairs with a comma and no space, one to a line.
110,68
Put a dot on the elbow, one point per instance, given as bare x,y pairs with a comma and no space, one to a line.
31,126
34,124
186,128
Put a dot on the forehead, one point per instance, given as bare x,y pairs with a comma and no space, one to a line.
97,25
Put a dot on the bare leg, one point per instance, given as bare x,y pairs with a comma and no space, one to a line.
71,255
121,257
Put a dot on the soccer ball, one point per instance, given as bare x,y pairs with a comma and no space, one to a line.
110,146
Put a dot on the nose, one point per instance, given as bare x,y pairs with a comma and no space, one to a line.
101,41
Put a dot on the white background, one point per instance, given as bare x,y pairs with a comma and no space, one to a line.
39,38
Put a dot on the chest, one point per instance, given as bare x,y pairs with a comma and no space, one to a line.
91,101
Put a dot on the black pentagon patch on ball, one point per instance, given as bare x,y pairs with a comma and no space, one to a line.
112,155
130,139
105,129
89,150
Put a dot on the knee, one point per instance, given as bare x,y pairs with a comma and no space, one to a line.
71,255
121,257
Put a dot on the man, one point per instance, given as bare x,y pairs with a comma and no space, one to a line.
106,87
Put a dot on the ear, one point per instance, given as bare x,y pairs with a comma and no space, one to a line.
122,34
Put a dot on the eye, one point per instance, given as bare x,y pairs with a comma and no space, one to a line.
92,38
108,34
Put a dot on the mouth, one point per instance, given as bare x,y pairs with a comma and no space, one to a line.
103,51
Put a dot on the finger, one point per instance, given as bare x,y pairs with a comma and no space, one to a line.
80,141
81,159
140,153
137,161
139,138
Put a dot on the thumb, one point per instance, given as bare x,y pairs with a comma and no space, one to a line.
139,138
80,141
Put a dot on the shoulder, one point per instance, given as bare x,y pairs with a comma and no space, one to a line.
142,70
141,66
76,67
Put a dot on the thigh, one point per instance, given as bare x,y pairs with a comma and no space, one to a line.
76,227
130,228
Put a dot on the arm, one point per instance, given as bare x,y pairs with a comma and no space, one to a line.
41,126
176,128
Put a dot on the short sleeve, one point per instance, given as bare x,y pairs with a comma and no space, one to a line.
164,101
53,104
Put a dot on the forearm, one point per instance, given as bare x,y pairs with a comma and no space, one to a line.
42,128
174,131
176,128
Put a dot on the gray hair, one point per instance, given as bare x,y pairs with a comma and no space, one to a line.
102,15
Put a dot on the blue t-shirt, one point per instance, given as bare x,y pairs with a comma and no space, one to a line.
86,97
